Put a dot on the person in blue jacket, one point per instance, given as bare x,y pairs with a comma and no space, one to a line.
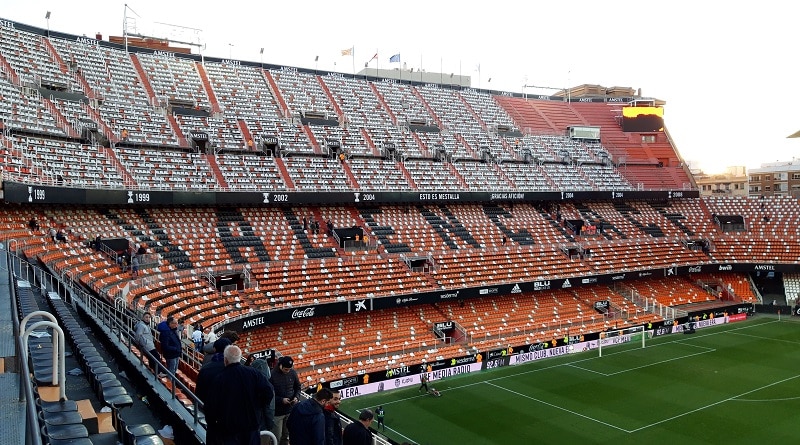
170,343
306,422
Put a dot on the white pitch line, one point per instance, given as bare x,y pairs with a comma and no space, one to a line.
766,338
660,362
559,407
572,365
714,404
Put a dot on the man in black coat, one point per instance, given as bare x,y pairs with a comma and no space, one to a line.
287,392
358,433
238,394
306,423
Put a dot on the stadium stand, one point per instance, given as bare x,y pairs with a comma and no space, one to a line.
434,204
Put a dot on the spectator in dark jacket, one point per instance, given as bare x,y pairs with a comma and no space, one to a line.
237,394
333,423
306,422
267,419
287,391
210,371
205,386
170,343
358,433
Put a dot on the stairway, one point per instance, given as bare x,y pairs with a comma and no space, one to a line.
127,179
284,109
423,148
5,67
428,107
173,124
246,134
350,177
383,103
458,176
61,121
370,142
201,71
51,50
312,139
105,130
137,65
400,166
287,178
220,178
336,108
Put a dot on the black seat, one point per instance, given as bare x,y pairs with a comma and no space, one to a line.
81,441
61,417
154,439
57,406
138,431
117,397
69,431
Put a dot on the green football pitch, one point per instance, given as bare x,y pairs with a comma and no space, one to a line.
736,383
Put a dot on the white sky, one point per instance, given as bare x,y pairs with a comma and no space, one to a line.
727,69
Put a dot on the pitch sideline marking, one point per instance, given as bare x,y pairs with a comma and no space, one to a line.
558,407
732,398
571,364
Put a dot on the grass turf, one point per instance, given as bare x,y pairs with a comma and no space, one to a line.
737,383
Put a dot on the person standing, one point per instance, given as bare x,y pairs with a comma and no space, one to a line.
379,413
170,343
306,422
287,391
333,423
135,265
267,419
204,388
423,378
358,433
197,338
237,395
144,338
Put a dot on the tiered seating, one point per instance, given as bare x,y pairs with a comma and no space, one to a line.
670,292
243,93
250,172
317,174
527,177
69,163
481,176
604,177
110,74
352,141
771,230
302,92
738,283
631,255
26,112
161,169
174,79
429,175
377,174
334,279
565,177
791,282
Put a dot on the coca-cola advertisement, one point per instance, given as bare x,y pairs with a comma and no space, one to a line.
262,319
